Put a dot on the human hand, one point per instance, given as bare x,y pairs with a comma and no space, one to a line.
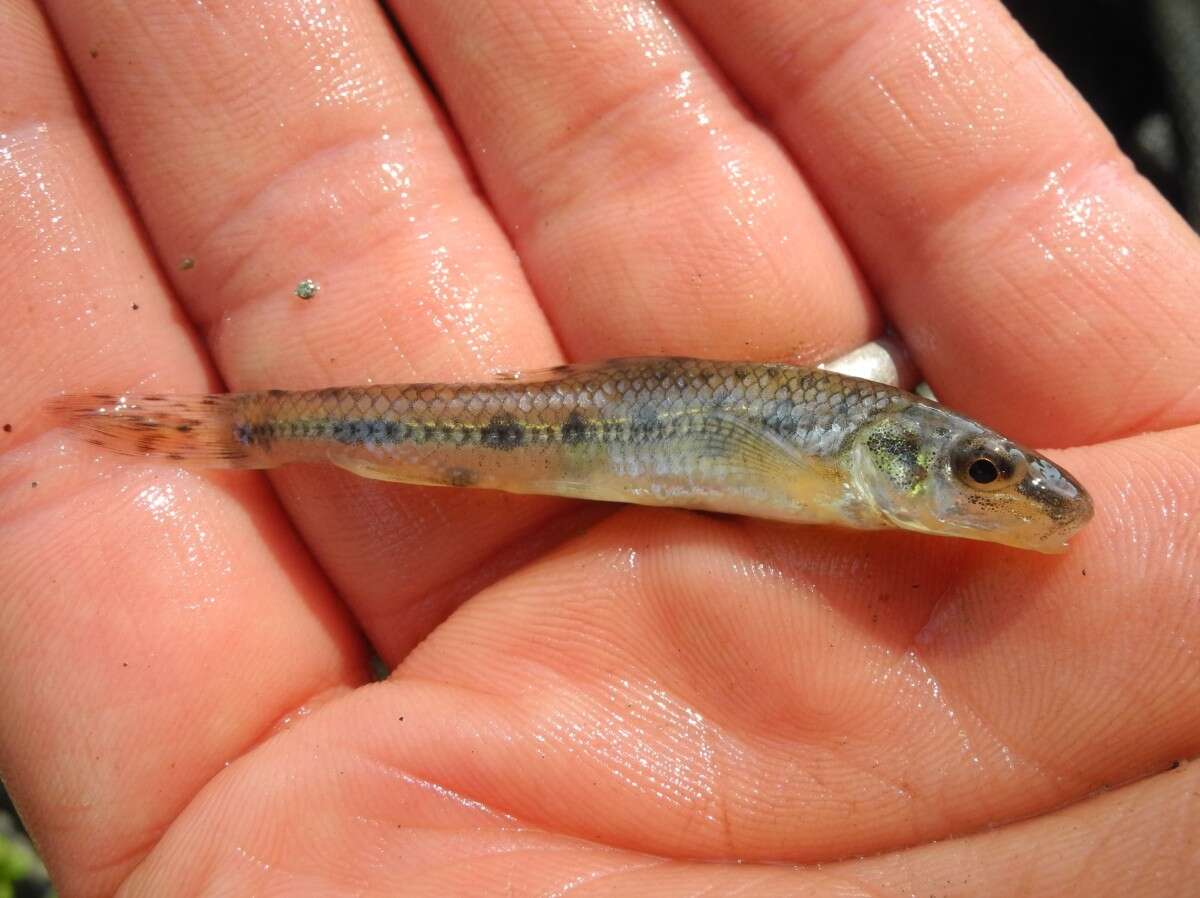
605,701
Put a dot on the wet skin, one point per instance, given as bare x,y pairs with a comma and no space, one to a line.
606,701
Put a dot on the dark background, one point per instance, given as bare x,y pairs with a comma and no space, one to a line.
1136,61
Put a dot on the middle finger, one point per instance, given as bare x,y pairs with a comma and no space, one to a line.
652,213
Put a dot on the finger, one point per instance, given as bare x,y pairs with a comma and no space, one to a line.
652,213
1040,282
322,157
153,624
1133,841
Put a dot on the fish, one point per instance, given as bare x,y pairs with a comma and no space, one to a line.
764,440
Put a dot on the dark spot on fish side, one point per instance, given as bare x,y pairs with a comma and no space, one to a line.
175,456
575,429
184,428
8,428
276,394
646,424
461,477
502,432
134,306
33,484
244,434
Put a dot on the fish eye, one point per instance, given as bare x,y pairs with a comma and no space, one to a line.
983,470
988,464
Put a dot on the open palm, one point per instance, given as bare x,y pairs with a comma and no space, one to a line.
588,699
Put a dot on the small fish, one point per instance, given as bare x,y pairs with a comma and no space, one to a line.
765,440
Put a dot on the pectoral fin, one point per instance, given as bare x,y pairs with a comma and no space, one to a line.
744,447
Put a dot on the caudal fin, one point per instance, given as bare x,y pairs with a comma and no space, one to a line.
191,430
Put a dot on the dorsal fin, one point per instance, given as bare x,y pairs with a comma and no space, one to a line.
534,375
562,372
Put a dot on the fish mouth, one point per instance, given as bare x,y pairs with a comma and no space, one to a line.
1059,495
1052,507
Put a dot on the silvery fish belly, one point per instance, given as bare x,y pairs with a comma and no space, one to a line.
766,440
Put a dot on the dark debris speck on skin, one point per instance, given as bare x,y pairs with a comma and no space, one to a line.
187,263
8,428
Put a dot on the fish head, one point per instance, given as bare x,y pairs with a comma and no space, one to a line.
923,467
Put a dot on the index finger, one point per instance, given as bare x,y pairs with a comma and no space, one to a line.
651,213
322,155
153,623
1039,281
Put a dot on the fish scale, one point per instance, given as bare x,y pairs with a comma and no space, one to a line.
768,440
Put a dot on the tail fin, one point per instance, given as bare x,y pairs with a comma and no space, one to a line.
191,430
